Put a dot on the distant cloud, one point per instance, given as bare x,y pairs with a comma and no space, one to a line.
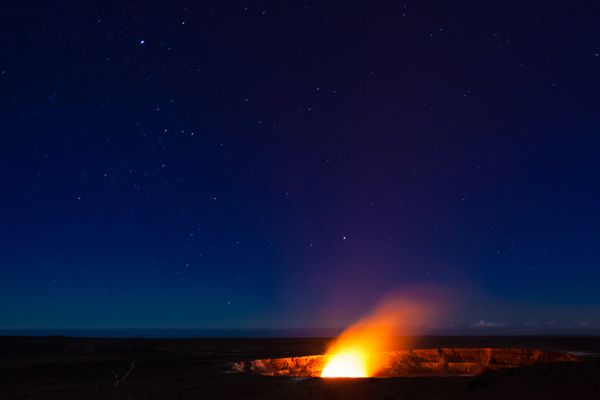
581,326
487,324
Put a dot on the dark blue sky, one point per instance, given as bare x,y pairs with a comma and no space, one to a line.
173,164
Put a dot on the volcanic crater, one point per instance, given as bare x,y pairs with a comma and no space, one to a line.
413,362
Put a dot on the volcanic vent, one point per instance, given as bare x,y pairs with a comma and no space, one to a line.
372,347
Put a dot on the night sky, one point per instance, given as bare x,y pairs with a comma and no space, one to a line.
169,164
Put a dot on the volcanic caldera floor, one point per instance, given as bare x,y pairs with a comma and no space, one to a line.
77,368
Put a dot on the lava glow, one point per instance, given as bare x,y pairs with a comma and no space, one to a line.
351,364
359,351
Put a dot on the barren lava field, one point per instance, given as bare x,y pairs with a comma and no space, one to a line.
70,368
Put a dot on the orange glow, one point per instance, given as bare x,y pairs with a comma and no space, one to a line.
359,350
350,364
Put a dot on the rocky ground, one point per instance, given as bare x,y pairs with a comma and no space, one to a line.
69,368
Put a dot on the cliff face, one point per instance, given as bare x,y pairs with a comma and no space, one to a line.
419,362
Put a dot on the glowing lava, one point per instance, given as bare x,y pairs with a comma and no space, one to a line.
360,350
351,364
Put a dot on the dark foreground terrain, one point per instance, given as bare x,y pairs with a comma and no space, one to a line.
70,368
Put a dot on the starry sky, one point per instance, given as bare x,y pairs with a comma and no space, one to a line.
266,165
